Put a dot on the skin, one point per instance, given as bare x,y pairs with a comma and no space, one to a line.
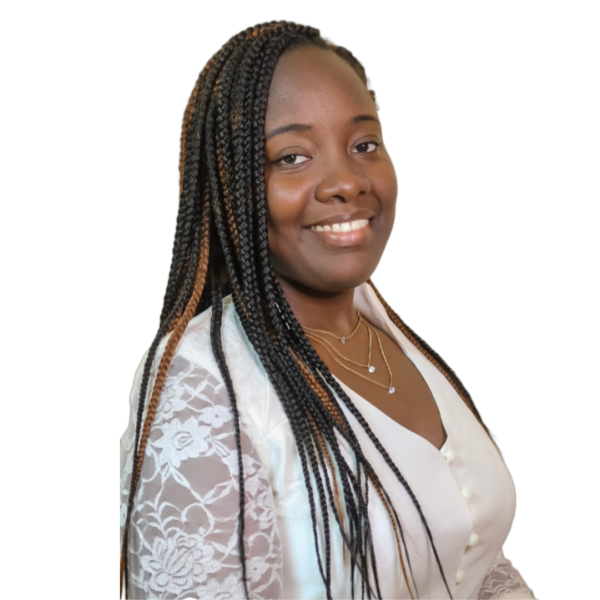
326,162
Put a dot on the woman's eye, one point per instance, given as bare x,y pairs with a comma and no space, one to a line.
292,159
366,147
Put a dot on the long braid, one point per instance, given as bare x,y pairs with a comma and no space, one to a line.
433,357
158,384
189,163
166,327
217,346
221,243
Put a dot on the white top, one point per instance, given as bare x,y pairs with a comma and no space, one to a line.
184,529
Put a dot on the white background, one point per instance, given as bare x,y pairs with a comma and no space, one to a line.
490,112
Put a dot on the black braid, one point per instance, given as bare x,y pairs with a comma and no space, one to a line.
188,197
185,292
217,346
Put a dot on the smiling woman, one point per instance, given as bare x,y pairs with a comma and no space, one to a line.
290,435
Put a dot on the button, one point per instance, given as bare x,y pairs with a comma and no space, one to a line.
473,540
449,455
460,575
466,492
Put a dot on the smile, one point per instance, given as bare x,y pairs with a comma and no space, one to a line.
342,227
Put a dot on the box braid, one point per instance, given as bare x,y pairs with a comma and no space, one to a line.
434,358
221,247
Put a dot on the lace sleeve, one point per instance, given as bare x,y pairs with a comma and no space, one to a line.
183,539
504,582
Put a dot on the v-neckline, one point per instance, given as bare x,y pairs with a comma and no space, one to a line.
350,392
367,302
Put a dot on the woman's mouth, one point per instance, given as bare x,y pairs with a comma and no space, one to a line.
344,234
342,227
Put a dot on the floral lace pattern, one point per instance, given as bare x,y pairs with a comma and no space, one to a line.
184,532
503,581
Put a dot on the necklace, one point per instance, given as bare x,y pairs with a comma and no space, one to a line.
323,341
333,351
342,338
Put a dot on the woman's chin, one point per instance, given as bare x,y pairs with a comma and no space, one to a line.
331,283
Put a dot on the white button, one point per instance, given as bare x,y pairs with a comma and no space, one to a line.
449,455
466,492
460,575
473,540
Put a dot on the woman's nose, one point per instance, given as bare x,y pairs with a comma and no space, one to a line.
342,182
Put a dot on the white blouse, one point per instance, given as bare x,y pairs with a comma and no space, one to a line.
184,528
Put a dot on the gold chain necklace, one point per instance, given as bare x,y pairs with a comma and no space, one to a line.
332,351
323,341
342,338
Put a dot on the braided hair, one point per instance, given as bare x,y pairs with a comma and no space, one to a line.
220,248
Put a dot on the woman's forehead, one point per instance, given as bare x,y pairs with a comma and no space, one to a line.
312,79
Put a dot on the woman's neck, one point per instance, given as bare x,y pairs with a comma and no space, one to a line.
330,311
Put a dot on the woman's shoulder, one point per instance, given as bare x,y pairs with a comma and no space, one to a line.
194,376
194,351
195,344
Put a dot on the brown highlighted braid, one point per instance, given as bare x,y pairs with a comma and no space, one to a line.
221,248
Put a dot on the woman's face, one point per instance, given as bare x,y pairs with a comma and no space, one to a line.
331,186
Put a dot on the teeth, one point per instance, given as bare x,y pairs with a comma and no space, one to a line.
359,224
342,227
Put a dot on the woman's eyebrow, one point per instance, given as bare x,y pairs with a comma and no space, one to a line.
360,118
303,127
286,128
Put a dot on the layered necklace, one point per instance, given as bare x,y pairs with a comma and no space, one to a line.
317,336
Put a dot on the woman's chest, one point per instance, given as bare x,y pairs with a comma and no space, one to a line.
378,370
464,491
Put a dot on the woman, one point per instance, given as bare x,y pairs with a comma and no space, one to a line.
291,437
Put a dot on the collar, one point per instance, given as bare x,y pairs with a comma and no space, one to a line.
371,308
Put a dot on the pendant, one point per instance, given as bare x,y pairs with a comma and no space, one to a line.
392,390
371,369
343,340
